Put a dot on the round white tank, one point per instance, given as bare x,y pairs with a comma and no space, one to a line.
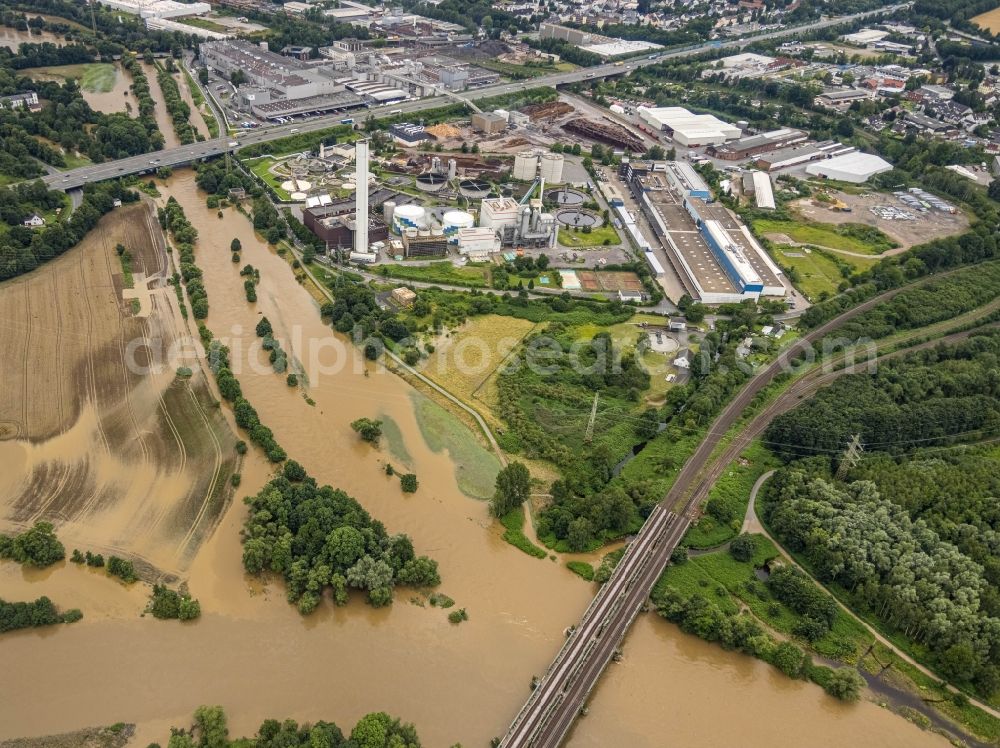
388,209
457,219
424,232
408,216
525,166
552,167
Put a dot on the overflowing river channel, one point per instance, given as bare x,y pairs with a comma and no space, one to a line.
254,654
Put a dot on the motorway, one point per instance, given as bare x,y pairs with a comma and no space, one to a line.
185,154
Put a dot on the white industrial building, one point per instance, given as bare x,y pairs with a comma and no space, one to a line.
854,167
164,24
157,8
687,128
497,212
477,243
760,185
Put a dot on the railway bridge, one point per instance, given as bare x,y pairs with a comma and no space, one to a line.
559,696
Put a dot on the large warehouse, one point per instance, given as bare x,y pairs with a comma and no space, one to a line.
854,167
687,128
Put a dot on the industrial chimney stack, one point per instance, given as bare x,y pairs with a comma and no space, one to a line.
361,197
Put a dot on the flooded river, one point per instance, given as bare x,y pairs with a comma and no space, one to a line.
13,38
254,654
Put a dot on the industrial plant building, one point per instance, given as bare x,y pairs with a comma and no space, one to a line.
276,85
715,255
157,8
854,167
689,129
754,145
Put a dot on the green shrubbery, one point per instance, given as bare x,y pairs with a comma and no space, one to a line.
321,537
37,546
41,612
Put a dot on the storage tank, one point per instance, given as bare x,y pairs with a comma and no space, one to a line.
552,167
454,220
408,217
388,208
525,166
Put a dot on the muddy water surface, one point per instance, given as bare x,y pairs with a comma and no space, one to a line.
13,38
254,654
118,99
163,121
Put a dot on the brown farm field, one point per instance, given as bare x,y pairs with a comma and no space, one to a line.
122,455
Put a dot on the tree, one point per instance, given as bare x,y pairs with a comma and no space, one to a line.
408,482
368,429
579,534
845,684
513,486
37,546
264,328
235,245
743,547
789,659
994,190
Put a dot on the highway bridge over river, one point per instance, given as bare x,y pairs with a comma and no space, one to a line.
187,154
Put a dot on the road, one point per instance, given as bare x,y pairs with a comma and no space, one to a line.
187,153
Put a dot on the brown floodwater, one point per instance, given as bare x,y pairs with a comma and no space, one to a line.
13,38
254,654
197,120
163,121
118,99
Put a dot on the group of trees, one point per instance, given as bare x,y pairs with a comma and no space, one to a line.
165,603
892,567
375,730
547,407
932,396
41,612
244,413
319,538
37,546
696,614
22,249
172,218
180,112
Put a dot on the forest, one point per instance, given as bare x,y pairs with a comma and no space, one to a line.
909,534
374,730
934,396
319,538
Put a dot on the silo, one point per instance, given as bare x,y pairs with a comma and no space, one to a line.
452,168
436,165
408,217
525,166
552,167
525,219
388,208
454,220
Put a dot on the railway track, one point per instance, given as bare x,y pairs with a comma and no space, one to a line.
558,698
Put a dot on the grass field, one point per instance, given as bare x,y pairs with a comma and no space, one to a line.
596,238
465,362
98,77
204,23
394,441
513,523
871,242
733,585
990,20
474,276
818,271
261,167
733,488
476,468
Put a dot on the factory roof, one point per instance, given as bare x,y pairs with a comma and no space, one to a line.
857,163
692,126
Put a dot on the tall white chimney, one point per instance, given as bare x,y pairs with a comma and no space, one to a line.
361,197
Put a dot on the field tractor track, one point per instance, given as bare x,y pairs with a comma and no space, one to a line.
126,394
216,474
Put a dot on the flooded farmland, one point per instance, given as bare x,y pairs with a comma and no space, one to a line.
255,655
